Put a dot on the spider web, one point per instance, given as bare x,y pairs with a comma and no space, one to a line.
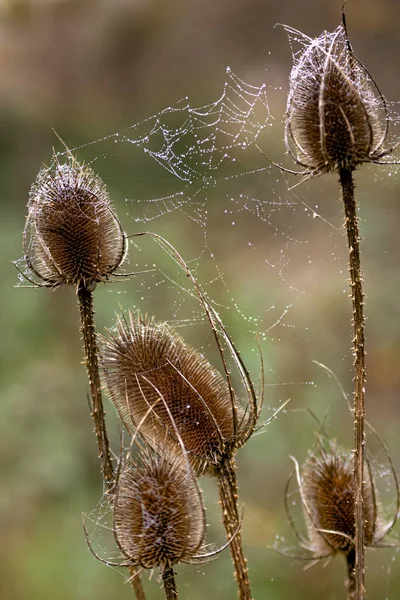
196,176
195,144
211,171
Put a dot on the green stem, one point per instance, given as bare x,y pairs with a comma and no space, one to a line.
357,295
228,490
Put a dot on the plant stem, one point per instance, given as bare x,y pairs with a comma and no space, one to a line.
171,592
228,490
351,582
85,299
357,295
137,584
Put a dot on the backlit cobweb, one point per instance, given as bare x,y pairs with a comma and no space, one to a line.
197,144
196,176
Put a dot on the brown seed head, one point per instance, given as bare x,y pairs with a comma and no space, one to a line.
71,233
148,364
336,117
328,495
158,512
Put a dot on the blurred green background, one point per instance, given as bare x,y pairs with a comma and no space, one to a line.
90,68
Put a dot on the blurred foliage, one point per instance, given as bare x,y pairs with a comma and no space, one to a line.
88,68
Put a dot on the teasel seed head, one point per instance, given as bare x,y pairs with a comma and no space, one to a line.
336,117
146,364
158,512
326,486
71,234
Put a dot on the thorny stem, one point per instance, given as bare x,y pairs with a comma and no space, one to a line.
351,582
228,490
171,592
85,299
357,296
137,584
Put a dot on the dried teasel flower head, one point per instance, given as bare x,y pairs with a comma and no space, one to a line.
158,512
336,117
326,486
147,364
71,234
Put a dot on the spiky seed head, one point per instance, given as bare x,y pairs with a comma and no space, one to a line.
158,512
147,364
71,234
328,488
335,115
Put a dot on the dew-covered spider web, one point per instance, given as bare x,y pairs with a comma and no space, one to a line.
200,177
197,176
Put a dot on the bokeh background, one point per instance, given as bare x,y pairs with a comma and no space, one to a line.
88,69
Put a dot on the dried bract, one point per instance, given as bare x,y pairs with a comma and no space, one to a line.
71,234
147,364
336,116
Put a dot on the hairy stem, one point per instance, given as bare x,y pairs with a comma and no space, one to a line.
171,592
357,296
351,582
228,490
85,299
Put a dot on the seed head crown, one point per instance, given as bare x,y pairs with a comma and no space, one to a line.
328,487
